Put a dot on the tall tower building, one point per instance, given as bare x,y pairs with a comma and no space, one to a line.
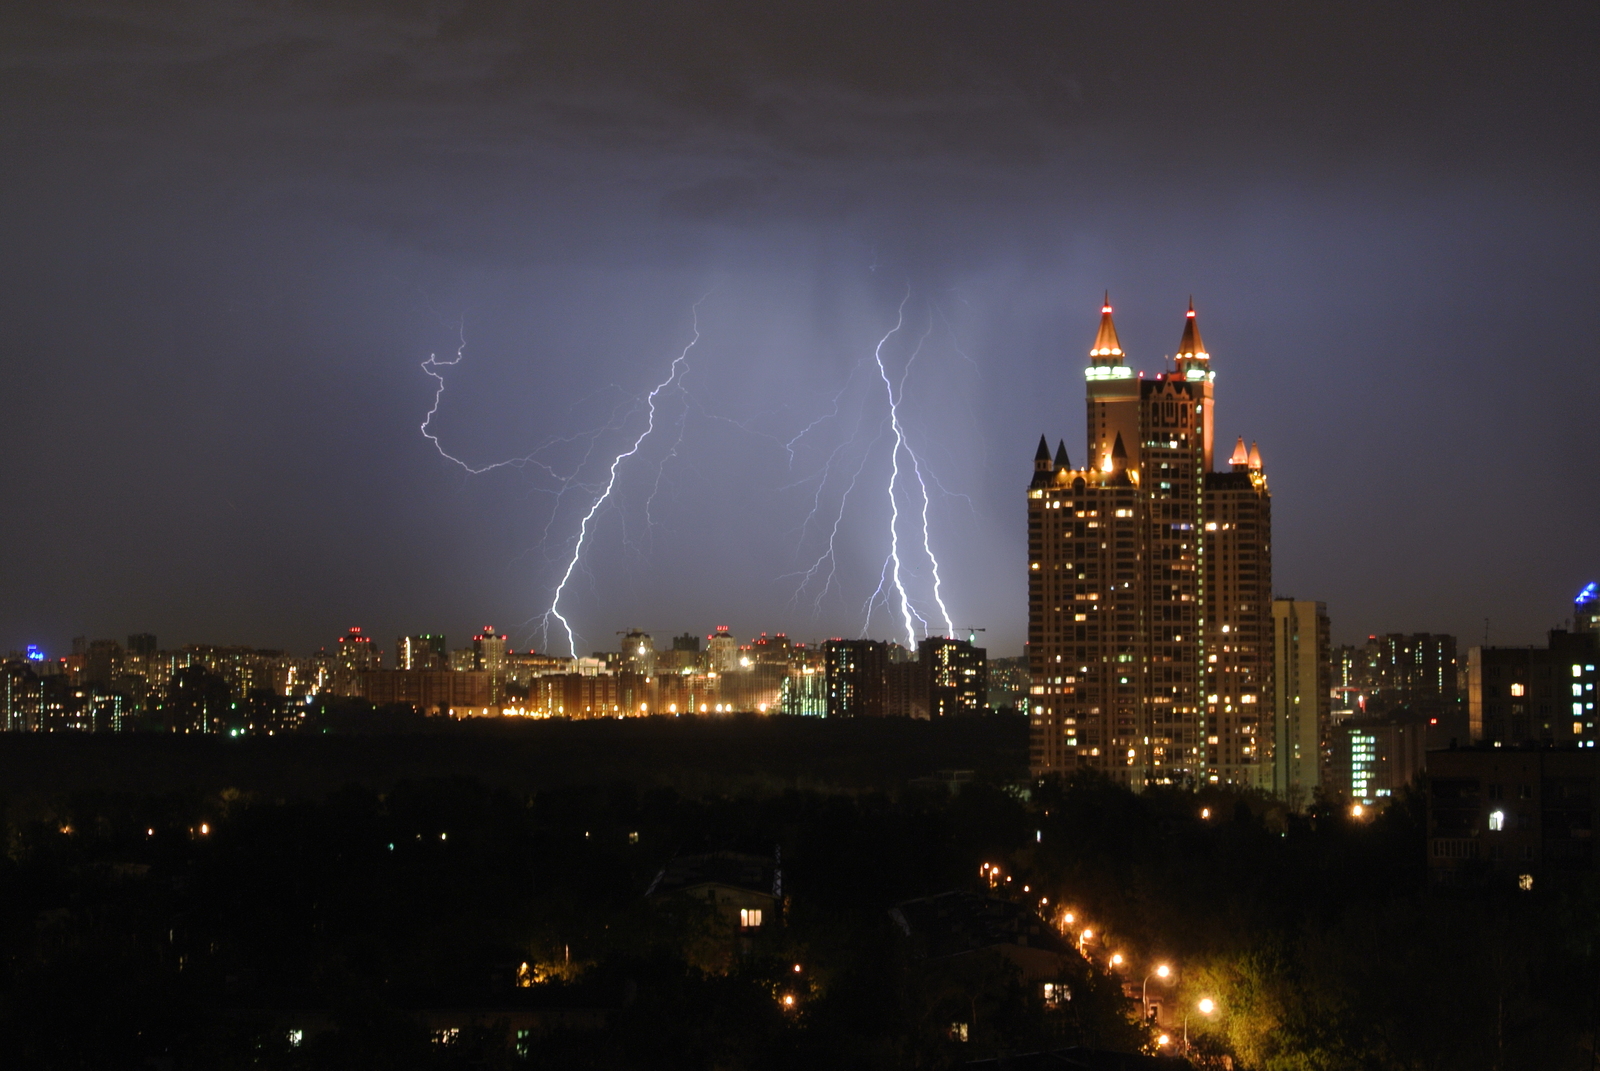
722,650
1150,585
424,651
857,676
1302,698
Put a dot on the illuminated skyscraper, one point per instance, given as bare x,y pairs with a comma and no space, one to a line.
1150,585
489,655
955,676
638,653
424,651
489,651
1302,698
857,677
723,650
357,651
1518,696
1586,609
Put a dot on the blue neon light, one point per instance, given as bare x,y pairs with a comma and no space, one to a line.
1590,593
34,654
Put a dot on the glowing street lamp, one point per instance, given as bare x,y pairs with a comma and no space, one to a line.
1205,1006
1162,972
1116,959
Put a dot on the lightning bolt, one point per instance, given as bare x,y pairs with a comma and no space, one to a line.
432,366
892,588
893,567
678,363
916,468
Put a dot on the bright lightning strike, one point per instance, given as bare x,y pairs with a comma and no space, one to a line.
895,576
611,482
895,566
916,468
431,366
892,566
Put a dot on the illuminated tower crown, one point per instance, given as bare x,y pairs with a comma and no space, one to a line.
1107,348
1193,360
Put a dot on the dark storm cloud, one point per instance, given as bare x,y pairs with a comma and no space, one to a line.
231,231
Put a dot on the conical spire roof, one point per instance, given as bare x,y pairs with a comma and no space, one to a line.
1043,453
1061,456
1255,456
1106,343
1192,346
1118,450
1241,456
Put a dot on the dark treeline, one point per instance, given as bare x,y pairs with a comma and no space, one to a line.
349,742
192,927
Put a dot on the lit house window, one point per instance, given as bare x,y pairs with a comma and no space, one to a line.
750,918
1497,821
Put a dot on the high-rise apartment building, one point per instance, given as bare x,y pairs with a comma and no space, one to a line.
723,650
1150,585
638,653
857,677
424,651
1374,757
1586,609
489,655
955,676
1535,695
357,652
1302,690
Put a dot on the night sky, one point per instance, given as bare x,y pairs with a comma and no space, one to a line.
233,233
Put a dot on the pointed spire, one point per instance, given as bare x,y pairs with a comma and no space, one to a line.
1241,456
1255,458
1043,453
1119,451
1107,349
1192,347
1061,456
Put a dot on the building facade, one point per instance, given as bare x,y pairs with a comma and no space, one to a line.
1302,687
425,651
1535,695
1374,757
857,678
955,675
1523,812
1150,586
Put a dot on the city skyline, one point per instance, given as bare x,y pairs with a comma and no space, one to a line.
221,326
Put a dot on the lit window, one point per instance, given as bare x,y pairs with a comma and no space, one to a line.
1517,689
750,918
1497,821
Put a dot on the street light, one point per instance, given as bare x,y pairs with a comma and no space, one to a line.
1116,959
1206,1006
1085,936
1162,971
